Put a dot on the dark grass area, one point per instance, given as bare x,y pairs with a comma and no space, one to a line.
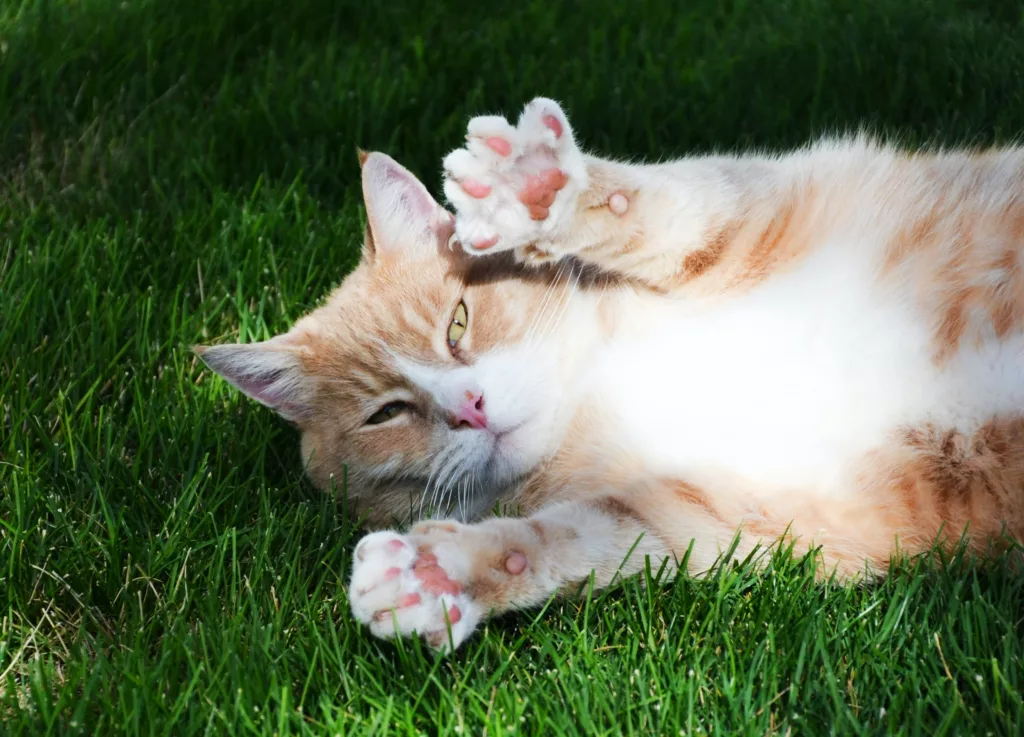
181,172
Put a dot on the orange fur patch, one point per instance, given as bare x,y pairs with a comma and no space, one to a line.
700,262
952,482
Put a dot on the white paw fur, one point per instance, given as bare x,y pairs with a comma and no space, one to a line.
534,148
384,584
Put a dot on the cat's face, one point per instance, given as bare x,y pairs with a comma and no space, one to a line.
434,379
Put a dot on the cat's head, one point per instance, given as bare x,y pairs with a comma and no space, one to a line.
436,378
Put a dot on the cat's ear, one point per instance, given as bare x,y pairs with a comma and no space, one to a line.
403,219
270,372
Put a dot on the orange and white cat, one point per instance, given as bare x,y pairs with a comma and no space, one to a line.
824,347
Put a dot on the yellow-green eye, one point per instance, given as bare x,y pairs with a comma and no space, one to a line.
457,327
389,411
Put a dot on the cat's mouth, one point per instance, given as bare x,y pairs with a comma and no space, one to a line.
506,462
506,432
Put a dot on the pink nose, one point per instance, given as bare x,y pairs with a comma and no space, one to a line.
471,413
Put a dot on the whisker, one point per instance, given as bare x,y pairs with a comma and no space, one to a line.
545,300
568,291
447,496
429,489
437,474
448,474
462,498
549,315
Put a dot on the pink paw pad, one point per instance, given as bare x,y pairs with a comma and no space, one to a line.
405,601
541,190
618,203
409,600
554,124
433,577
499,145
515,563
440,637
476,189
482,244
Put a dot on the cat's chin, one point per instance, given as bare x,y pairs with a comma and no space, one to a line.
514,454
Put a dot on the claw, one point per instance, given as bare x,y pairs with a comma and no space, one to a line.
533,254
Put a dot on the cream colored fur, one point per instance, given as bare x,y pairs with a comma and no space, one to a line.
825,346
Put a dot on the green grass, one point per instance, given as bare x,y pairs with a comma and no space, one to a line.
181,172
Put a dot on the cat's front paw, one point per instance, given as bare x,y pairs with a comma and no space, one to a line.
406,583
516,187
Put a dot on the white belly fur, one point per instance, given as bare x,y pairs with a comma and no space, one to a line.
790,383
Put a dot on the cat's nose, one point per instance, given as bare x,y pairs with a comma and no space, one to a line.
471,413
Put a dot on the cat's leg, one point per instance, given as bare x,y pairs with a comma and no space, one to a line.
530,188
444,573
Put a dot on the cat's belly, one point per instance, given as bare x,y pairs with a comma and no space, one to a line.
789,385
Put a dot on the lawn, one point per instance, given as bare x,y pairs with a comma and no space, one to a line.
184,171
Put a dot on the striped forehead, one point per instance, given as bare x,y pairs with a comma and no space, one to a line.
375,361
372,371
377,313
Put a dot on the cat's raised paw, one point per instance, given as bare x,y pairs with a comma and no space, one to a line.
400,585
515,187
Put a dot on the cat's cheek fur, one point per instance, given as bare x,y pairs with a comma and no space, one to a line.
525,400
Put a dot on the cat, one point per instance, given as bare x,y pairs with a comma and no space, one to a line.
823,348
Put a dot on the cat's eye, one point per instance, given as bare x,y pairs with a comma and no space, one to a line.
457,327
389,411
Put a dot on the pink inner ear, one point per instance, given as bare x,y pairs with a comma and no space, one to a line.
259,386
401,212
412,192
271,377
275,389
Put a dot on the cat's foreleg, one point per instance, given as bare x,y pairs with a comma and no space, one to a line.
445,576
529,188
